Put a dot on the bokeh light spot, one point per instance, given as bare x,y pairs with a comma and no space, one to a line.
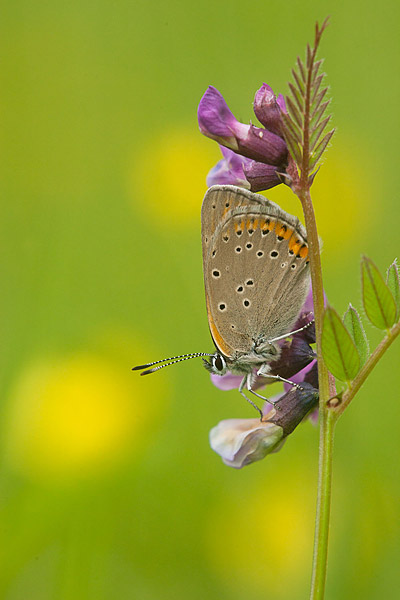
261,540
74,416
168,178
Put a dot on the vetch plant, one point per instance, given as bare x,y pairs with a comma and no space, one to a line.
287,149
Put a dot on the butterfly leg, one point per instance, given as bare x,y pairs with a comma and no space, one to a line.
274,404
279,378
249,379
241,386
286,335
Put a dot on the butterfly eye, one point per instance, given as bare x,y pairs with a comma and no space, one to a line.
218,362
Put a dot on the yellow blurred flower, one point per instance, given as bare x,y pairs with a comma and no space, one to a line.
73,416
168,179
261,540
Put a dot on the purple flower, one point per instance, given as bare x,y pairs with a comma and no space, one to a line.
263,151
229,170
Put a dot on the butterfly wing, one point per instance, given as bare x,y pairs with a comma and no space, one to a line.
255,262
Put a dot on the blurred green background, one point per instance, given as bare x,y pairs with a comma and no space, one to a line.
108,487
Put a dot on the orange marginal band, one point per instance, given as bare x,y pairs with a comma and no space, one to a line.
218,340
283,231
303,251
239,226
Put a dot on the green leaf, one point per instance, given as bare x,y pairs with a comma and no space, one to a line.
301,70
316,85
309,56
393,282
294,112
291,138
338,349
317,131
299,81
316,69
292,129
305,122
320,149
354,326
378,301
318,100
297,96
317,113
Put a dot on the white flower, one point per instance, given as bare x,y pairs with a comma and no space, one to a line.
242,441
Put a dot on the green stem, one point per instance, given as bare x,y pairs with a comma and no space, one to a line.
317,289
320,558
329,413
367,368
327,418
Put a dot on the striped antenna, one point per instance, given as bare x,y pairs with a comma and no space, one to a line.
172,360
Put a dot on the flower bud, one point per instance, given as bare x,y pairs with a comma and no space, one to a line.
261,176
294,406
267,109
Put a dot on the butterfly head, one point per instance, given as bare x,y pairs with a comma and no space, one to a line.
217,364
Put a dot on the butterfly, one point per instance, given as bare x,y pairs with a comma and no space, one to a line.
256,280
